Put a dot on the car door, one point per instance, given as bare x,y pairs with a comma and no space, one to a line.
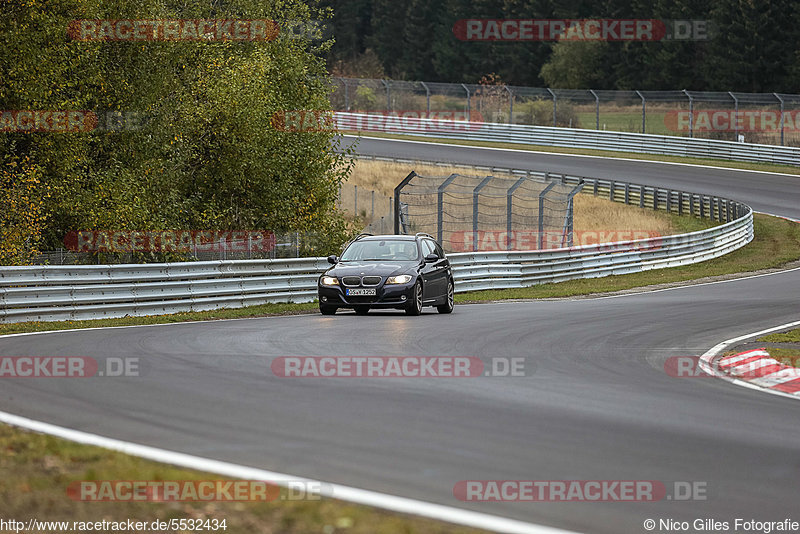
437,275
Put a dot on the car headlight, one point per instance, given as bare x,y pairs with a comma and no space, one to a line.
329,281
400,279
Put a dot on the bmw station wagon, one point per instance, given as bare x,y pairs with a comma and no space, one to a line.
388,271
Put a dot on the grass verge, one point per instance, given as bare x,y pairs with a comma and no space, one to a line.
792,336
765,167
37,469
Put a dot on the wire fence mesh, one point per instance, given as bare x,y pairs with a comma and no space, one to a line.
476,213
764,118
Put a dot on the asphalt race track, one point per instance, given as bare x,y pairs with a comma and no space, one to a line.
596,403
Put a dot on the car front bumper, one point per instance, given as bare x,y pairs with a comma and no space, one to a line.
386,296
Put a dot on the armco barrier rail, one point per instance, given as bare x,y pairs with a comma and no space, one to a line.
569,137
55,293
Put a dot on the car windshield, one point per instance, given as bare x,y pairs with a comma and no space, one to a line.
383,250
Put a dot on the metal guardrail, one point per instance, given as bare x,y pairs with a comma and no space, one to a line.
570,138
56,293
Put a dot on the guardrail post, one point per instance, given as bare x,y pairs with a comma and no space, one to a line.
439,203
475,193
655,198
596,184
541,215
669,200
680,202
702,207
642,190
509,209
627,193
691,204
611,191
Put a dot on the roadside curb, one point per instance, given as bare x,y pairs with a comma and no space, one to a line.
754,369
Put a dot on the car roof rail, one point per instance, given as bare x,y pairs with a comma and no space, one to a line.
362,234
423,234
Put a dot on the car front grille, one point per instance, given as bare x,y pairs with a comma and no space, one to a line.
352,281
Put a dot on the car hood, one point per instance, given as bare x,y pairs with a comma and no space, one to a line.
355,268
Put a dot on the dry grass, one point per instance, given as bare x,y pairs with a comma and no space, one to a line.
600,214
591,213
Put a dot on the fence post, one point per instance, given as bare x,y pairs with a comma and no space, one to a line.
596,109
372,214
735,115
541,215
388,96
509,209
781,101
555,106
475,193
469,102
396,210
439,202
691,112
355,202
427,98
643,108
510,105
568,220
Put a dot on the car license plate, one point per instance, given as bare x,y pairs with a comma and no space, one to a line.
366,292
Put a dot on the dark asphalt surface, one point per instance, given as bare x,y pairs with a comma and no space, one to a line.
596,403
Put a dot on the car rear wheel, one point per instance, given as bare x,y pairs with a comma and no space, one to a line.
361,310
327,310
447,307
415,306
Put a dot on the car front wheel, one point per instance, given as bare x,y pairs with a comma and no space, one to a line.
415,306
447,307
327,310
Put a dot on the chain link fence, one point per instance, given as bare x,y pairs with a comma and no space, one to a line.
472,213
764,118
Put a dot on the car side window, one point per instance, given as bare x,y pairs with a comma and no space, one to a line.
439,250
429,247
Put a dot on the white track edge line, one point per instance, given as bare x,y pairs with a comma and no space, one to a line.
346,493
699,165
706,362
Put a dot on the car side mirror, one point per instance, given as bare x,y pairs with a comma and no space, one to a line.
333,259
431,258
